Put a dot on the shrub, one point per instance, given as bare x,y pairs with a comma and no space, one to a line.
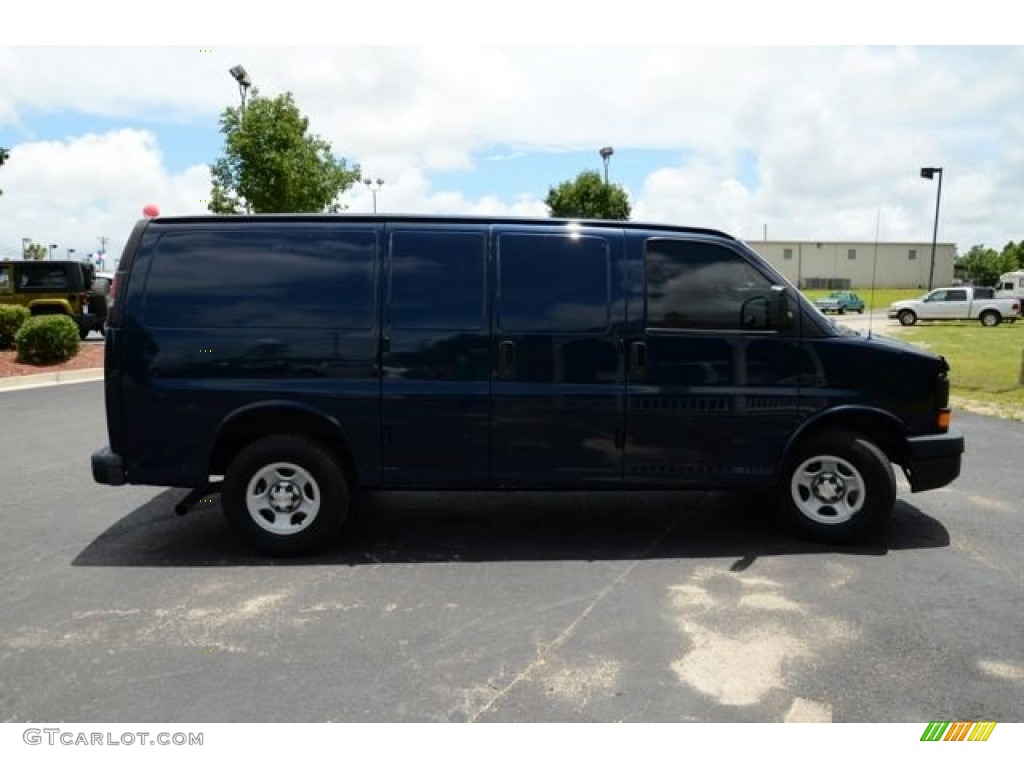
11,318
47,339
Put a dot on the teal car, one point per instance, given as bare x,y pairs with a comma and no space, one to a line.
841,302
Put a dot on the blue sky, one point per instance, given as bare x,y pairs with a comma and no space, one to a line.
808,142
504,170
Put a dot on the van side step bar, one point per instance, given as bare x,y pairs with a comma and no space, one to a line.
184,506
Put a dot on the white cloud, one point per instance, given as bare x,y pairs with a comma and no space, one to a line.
811,142
71,193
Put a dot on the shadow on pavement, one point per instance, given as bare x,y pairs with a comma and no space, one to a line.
483,527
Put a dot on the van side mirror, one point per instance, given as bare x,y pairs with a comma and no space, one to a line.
767,311
780,312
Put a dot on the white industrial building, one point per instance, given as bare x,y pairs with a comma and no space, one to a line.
822,264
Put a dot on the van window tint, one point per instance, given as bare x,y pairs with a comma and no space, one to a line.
703,286
437,280
553,283
262,277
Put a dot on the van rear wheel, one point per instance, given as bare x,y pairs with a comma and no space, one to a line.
837,487
285,495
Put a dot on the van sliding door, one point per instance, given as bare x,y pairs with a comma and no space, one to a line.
558,380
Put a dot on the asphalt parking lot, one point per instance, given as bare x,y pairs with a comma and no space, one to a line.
522,607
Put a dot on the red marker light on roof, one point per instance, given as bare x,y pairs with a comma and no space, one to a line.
150,211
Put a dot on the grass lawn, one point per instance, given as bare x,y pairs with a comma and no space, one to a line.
985,363
882,298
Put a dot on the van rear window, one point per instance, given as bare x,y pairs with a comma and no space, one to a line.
263,277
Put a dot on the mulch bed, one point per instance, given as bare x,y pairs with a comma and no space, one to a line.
89,356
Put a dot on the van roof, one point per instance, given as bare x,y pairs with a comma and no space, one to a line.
278,218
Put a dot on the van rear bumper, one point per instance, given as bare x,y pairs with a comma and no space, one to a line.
108,467
933,460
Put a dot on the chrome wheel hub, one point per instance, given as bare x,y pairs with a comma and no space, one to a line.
283,498
828,490
828,487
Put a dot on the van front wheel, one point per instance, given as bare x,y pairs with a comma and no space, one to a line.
285,495
837,487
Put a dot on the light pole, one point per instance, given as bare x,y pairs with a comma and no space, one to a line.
244,84
53,247
606,156
369,185
25,243
929,173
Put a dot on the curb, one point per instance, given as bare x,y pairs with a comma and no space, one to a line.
35,380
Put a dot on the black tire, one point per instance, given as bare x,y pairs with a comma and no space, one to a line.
83,332
837,487
860,311
841,311
311,502
907,317
990,319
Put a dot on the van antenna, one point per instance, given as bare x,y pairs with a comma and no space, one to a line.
874,270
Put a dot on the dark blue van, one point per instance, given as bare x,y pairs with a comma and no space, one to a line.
301,357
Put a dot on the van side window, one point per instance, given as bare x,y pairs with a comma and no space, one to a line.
693,285
553,284
262,277
437,280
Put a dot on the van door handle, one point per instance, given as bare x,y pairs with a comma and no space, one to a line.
506,359
638,360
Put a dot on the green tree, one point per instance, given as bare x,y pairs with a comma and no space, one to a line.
4,154
272,164
982,265
588,197
1012,256
36,252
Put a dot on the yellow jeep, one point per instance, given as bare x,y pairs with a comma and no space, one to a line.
54,288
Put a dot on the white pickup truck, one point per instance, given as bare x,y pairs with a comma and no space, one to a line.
960,303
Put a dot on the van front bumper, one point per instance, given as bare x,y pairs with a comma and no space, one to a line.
933,460
108,467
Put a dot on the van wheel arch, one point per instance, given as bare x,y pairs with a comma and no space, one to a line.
253,423
882,429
